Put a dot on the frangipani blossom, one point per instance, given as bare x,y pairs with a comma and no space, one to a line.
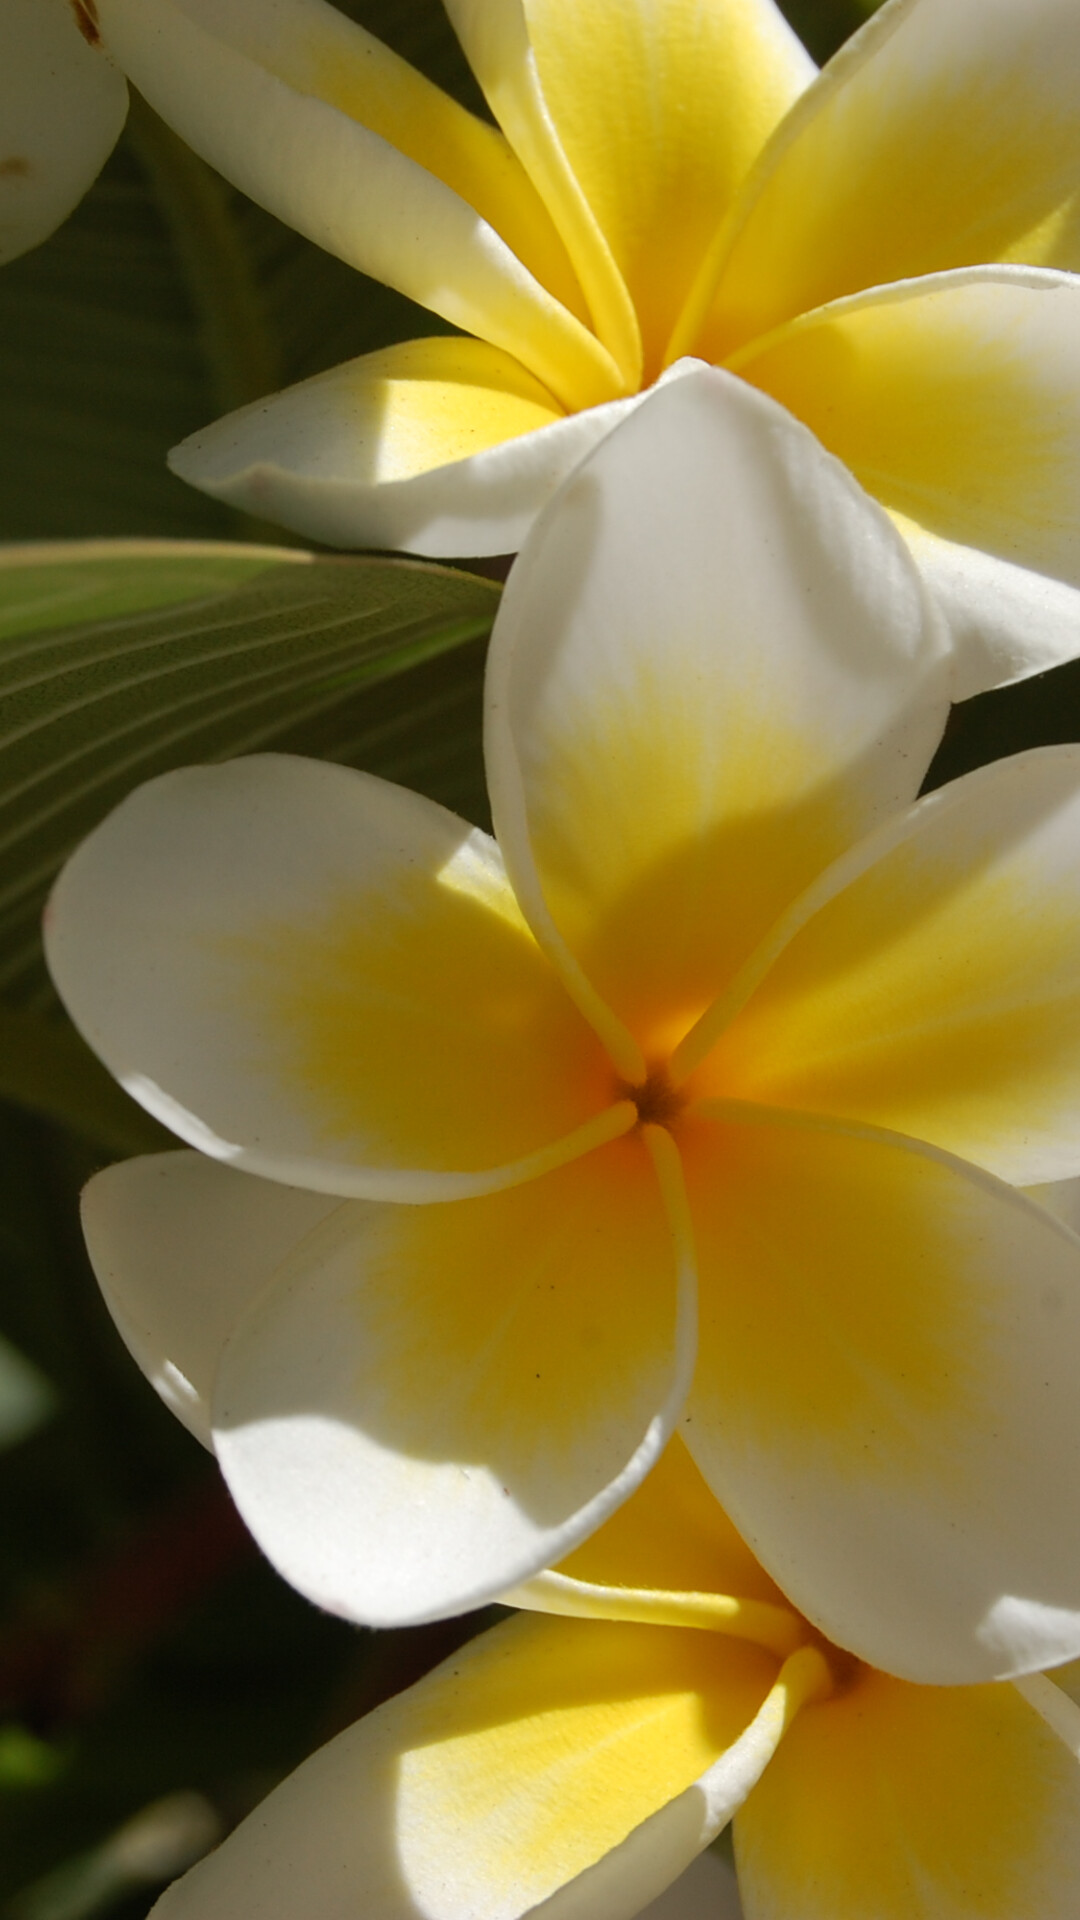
690,1098
888,248
571,1767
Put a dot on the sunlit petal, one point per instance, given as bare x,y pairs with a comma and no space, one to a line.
886,1392
938,991
431,446
713,665
956,401
180,1247
62,105
316,49
349,189
655,1852
655,112
532,1753
495,36
431,1403
943,135
1007,621
898,1801
322,978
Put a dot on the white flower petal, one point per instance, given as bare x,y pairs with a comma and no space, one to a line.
637,122
885,1400
1008,621
955,399
902,1801
536,1749
944,134
440,446
714,665
62,105
932,983
349,190
432,1403
324,979
650,1856
180,1246
317,49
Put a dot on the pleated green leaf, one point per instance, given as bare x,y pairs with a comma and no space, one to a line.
121,660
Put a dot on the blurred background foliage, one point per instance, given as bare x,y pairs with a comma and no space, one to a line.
155,1676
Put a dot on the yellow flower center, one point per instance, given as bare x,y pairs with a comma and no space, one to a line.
658,1102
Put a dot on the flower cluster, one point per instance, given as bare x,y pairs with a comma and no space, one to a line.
648,1215
696,1103
571,1766
887,247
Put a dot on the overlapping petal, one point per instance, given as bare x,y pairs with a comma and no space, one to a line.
180,1247
673,1534
316,49
885,1399
495,36
955,400
944,134
671,1556
937,989
62,105
652,114
442,445
674,750
430,1404
533,1753
346,187
895,1800
325,979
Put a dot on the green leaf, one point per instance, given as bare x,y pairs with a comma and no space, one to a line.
288,656
26,1402
824,25
161,1841
45,585
103,371
26,1761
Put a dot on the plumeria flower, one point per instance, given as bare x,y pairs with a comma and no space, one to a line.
61,109
690,1098
886,247
572,1766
